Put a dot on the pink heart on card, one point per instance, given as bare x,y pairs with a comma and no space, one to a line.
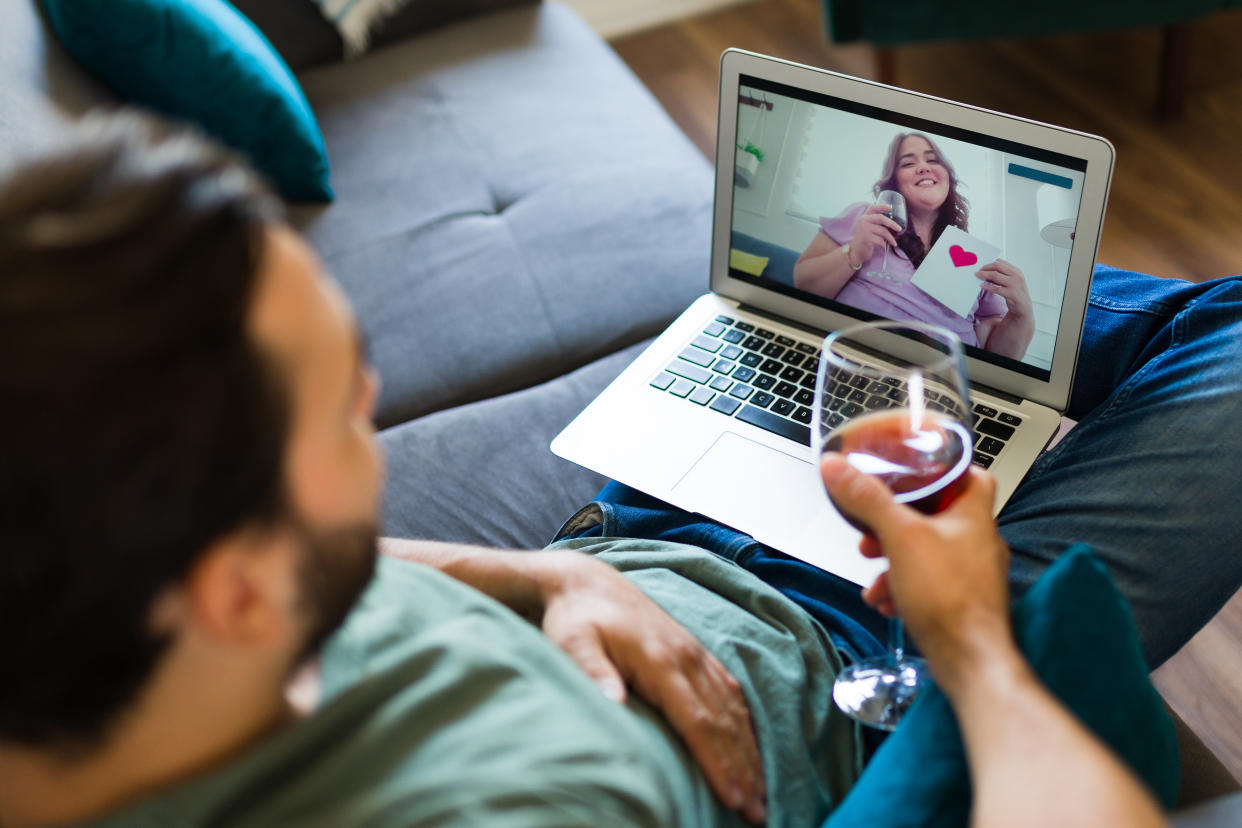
961,257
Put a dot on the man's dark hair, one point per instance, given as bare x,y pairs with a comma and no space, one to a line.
138,420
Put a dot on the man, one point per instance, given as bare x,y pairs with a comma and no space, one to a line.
190,493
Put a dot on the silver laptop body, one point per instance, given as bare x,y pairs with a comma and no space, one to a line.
669,424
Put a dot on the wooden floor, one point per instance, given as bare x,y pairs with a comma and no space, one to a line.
1175,207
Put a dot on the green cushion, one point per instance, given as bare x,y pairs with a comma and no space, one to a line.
203,62
1076,630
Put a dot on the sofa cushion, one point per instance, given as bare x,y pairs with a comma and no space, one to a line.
495,450
510,204
202,61
43,86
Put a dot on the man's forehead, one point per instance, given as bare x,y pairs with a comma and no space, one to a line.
297,313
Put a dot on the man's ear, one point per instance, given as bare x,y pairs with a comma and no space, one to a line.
243,589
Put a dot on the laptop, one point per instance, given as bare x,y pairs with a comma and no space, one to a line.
715,415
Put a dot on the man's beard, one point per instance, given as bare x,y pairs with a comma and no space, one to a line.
336,566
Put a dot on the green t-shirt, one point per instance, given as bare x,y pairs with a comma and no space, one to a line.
442,707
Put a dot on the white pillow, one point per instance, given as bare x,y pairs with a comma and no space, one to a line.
356,19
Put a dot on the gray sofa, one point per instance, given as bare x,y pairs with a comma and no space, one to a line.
515,217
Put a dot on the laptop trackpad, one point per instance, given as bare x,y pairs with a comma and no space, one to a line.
752,487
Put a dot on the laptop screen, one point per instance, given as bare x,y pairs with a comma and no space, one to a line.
943,225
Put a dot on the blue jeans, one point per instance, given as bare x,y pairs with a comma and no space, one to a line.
1147,477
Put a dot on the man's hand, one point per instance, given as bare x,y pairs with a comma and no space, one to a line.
618,635
947,572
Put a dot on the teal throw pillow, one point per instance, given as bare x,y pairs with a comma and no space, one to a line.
203,62
1076,630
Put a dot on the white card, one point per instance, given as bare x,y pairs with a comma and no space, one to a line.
948,272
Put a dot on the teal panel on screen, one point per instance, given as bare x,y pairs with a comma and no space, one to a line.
202,61
1076,630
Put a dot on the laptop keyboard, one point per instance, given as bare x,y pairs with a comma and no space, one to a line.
767,379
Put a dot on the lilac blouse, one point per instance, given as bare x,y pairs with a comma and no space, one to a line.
896,297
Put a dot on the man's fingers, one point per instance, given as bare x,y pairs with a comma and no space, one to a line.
588,652
861,496
710,715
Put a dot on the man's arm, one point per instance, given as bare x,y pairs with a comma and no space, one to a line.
1031,761
618,635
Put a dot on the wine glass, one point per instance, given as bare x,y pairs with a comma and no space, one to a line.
905,421
897,212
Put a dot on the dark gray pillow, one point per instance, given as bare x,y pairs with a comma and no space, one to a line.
304,38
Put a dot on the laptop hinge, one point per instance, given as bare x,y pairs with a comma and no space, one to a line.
802,326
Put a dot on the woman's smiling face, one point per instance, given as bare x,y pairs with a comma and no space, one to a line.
921,177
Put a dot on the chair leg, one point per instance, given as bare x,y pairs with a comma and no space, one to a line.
1174,61
886,65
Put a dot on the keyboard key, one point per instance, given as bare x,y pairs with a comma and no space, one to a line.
714,329
851,409
835,404
697,356
742,392
783,407
751,360
691,372
764,381
1010,419
986,411
702,396
771,366
811,364
792,357
982,460
723,366
731,352
930,396
777,425
875,402
808,381
835,420
744,326
804,396
786,341
990,445
807,349
894,381
791,374
876,387
725,405
682,387
663,381
857,396
762,399
764,332
733,336
859,382
724,320
706,343
773,350
785,389
896,395
721,384
803,415
753,343
744,374
994,429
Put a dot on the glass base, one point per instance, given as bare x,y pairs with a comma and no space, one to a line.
881,274
878,691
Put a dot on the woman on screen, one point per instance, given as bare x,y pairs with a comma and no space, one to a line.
846,260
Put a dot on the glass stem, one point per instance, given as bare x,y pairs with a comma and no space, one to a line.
896,641
884,268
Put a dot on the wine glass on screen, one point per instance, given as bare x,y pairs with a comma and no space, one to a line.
906,422
897,212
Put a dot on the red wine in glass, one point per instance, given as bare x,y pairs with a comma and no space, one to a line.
922,459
